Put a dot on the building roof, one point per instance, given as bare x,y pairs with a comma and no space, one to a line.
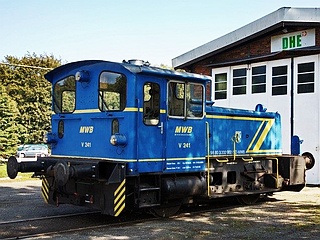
280,18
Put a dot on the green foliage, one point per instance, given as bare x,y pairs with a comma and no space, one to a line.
25,100
165,67
170,68
8,127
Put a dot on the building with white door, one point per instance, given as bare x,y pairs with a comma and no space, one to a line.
274,61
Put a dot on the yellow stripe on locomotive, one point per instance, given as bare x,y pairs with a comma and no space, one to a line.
244,134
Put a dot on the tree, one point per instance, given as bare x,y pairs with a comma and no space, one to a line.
8,127
170,68
24,83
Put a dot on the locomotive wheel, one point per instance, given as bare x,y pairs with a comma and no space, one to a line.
165,212
248,199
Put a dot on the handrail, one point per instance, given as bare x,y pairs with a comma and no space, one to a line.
208,157
234,149
222,160
248,159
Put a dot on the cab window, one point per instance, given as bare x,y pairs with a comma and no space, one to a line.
151,103
112,91
185,100
64,95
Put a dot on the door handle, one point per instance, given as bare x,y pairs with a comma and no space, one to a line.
161,127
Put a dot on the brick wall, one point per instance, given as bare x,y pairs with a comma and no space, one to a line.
258,47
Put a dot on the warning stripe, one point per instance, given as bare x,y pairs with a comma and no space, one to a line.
119,198
45,190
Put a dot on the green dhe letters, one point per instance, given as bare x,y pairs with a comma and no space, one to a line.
291,42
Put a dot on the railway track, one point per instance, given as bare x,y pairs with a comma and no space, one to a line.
31,226
218,219
78,222
49,226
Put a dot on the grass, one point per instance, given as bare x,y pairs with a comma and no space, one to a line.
20,177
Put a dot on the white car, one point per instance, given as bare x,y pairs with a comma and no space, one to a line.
32,150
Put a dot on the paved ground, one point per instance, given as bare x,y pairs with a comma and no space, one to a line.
286,215
23,200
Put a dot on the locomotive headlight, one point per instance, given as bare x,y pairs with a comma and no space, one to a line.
118,140
82,76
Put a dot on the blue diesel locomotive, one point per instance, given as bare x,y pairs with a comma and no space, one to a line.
130,136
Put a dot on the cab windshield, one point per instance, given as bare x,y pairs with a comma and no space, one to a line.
64,95
112,91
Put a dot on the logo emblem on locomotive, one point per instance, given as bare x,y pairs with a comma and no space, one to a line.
183,129
86,129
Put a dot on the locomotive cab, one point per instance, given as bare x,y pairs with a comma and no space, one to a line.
128,113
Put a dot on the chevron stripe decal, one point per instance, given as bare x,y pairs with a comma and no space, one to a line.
119,198
260,136
45,190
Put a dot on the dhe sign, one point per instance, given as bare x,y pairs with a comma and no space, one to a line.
305,38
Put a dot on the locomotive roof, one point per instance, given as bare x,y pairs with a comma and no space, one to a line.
135,69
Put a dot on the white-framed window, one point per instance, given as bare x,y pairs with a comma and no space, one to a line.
280,80
239,81
258,78
220,86
306,73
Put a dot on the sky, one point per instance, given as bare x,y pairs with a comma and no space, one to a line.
116,30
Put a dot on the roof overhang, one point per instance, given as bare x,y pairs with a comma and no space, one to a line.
269,57
283,17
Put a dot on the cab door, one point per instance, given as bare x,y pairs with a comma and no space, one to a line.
151,149
186,127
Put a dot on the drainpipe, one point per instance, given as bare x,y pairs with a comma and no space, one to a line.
292,102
